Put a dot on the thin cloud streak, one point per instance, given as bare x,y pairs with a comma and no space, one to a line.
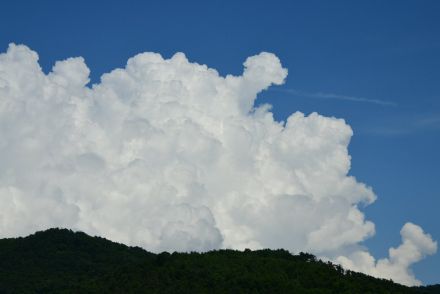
406,126
433,122
322,95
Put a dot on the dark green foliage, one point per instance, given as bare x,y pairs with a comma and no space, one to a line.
432,289
61,261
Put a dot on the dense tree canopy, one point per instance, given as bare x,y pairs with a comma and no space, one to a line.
62,261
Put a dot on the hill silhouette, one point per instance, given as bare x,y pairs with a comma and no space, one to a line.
63,261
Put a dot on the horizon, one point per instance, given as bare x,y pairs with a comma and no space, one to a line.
244,250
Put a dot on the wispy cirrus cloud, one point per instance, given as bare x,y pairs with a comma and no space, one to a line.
429,121
324,95
405,125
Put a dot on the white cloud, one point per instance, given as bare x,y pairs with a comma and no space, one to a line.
415,246
168,155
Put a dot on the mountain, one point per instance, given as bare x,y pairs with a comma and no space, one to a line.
63,261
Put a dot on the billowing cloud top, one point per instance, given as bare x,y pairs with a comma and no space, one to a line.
168,155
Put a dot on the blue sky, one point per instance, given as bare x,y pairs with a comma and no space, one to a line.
374,63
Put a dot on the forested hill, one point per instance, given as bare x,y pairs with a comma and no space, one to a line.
62,261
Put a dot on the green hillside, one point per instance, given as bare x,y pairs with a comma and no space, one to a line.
62,261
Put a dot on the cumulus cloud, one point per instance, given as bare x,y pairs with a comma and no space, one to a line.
169,155
415,245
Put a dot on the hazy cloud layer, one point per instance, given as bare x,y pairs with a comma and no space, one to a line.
168,155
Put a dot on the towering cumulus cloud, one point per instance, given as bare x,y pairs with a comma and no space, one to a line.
168,155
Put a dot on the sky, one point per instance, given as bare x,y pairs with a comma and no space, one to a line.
374,64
